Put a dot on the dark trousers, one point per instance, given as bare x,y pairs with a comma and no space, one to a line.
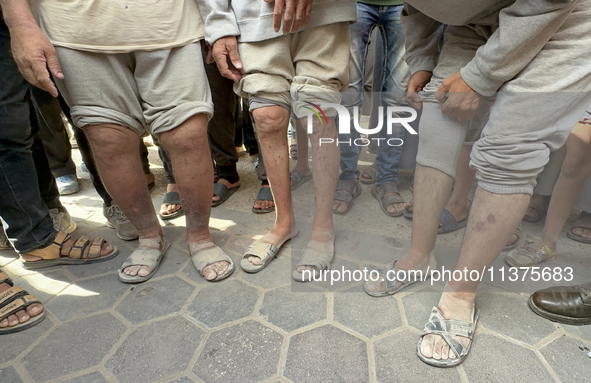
53,133
24,213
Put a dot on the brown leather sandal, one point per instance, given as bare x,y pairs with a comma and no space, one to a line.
14,300
52,254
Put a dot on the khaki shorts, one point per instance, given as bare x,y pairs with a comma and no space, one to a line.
148,92
311,65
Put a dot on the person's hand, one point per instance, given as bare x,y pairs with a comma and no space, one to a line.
35,57
416,83
225,54
457,99
300,9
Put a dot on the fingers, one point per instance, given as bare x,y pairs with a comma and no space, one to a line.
288,16
233,53
300,12
442,93
209,57
414,100
53,64
42,79
278,14
307,14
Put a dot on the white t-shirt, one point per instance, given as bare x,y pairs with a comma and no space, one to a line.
118,26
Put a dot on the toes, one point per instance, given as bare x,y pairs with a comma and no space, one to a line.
22,316
12,320
445,352
437,347
255,260
208,273
215,198
143,271
220,267
257,204
131,270
427,346
4,323
34,309
106,249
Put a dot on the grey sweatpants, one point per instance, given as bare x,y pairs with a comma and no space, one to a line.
530,116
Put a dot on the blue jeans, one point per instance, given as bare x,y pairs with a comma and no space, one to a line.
24,213
392,89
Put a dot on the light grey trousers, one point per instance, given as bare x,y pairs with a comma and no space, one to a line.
530,116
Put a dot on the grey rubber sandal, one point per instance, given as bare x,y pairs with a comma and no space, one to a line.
517,232
222,191
264,194
410,277
265,251
314,258
298,180
347,191
206,257
387,194
143,256
372,172
449,223
171,198
407,212
449,330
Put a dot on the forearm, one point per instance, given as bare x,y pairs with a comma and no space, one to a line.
219,19
17,14
422,36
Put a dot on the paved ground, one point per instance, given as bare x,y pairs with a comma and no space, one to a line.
263,327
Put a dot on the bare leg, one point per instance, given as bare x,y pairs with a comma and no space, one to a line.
272,122
575,170
302,165
191,163
458,204
326,158
432,190
116,152
492,220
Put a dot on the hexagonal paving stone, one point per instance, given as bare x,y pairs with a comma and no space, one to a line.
246,352
88,296
277,273
155,351
569,358
93,377
290,311
20,341
495,360
44,285
417,306
173,260
397,361
366,315
73,346
9,375
583,332
498,312
223,302
184,379
326,354
146,300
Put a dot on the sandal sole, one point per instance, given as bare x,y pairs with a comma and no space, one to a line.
575,237
137,279
377,197
33,265
34,321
